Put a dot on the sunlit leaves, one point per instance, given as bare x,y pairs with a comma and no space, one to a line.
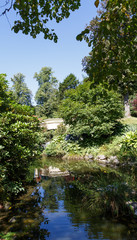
20,90
34,16
46,95
19,142
113,59
91,112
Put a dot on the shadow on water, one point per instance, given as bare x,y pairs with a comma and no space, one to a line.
24,218
55,209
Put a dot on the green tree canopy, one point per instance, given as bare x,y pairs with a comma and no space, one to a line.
91,113
113,59
47,94
20,90
34,15
69,82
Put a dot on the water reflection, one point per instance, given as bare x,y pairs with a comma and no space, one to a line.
54,210
67,217
24,218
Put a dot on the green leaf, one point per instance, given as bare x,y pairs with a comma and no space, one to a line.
96,3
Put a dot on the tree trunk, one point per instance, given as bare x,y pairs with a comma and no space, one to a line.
127,105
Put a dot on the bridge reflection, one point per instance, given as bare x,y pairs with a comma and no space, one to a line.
47,172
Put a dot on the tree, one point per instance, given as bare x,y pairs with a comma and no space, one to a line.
113,59
20,90
34,15
47,94
69,82
91,113
20,143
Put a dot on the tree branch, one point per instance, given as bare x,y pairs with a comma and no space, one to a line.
7,9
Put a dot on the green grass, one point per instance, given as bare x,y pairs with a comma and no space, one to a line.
129,120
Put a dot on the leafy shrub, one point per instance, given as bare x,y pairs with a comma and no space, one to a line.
60,147
61,129
20,143
91,113
129,146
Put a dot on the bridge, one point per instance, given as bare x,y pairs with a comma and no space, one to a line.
51,123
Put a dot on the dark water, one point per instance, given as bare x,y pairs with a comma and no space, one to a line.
68,219
54,210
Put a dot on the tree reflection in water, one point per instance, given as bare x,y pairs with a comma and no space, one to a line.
55,209
69,218
25,217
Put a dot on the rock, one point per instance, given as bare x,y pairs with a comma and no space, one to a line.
91,160
114,160
86,157
103,161
90,156
101,157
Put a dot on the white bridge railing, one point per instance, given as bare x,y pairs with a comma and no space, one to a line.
52,123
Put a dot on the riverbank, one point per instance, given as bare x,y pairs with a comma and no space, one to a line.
116,149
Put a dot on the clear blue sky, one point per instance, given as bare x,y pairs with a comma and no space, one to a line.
21,53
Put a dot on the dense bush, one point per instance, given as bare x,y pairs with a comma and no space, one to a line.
133,104
91,113
20,143
59,147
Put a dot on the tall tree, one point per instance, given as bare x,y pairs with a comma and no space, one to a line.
113,59
69,82
47,94
20,90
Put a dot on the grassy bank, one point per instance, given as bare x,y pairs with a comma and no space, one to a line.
122,144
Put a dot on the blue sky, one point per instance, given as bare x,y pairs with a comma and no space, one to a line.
21,53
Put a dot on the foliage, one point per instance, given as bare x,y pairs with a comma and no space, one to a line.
104,192
69,82
8,236
33,16
91,113
61,129
59,147
133,104
20,90
47,94
4,96
128,149
112,60
20,144
112,147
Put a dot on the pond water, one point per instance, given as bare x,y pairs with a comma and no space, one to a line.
55,210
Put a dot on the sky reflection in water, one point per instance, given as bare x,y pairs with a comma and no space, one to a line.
67,218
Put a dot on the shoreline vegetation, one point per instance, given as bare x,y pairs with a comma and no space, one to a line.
116,148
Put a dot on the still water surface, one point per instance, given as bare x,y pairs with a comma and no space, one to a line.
54,210
68,219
